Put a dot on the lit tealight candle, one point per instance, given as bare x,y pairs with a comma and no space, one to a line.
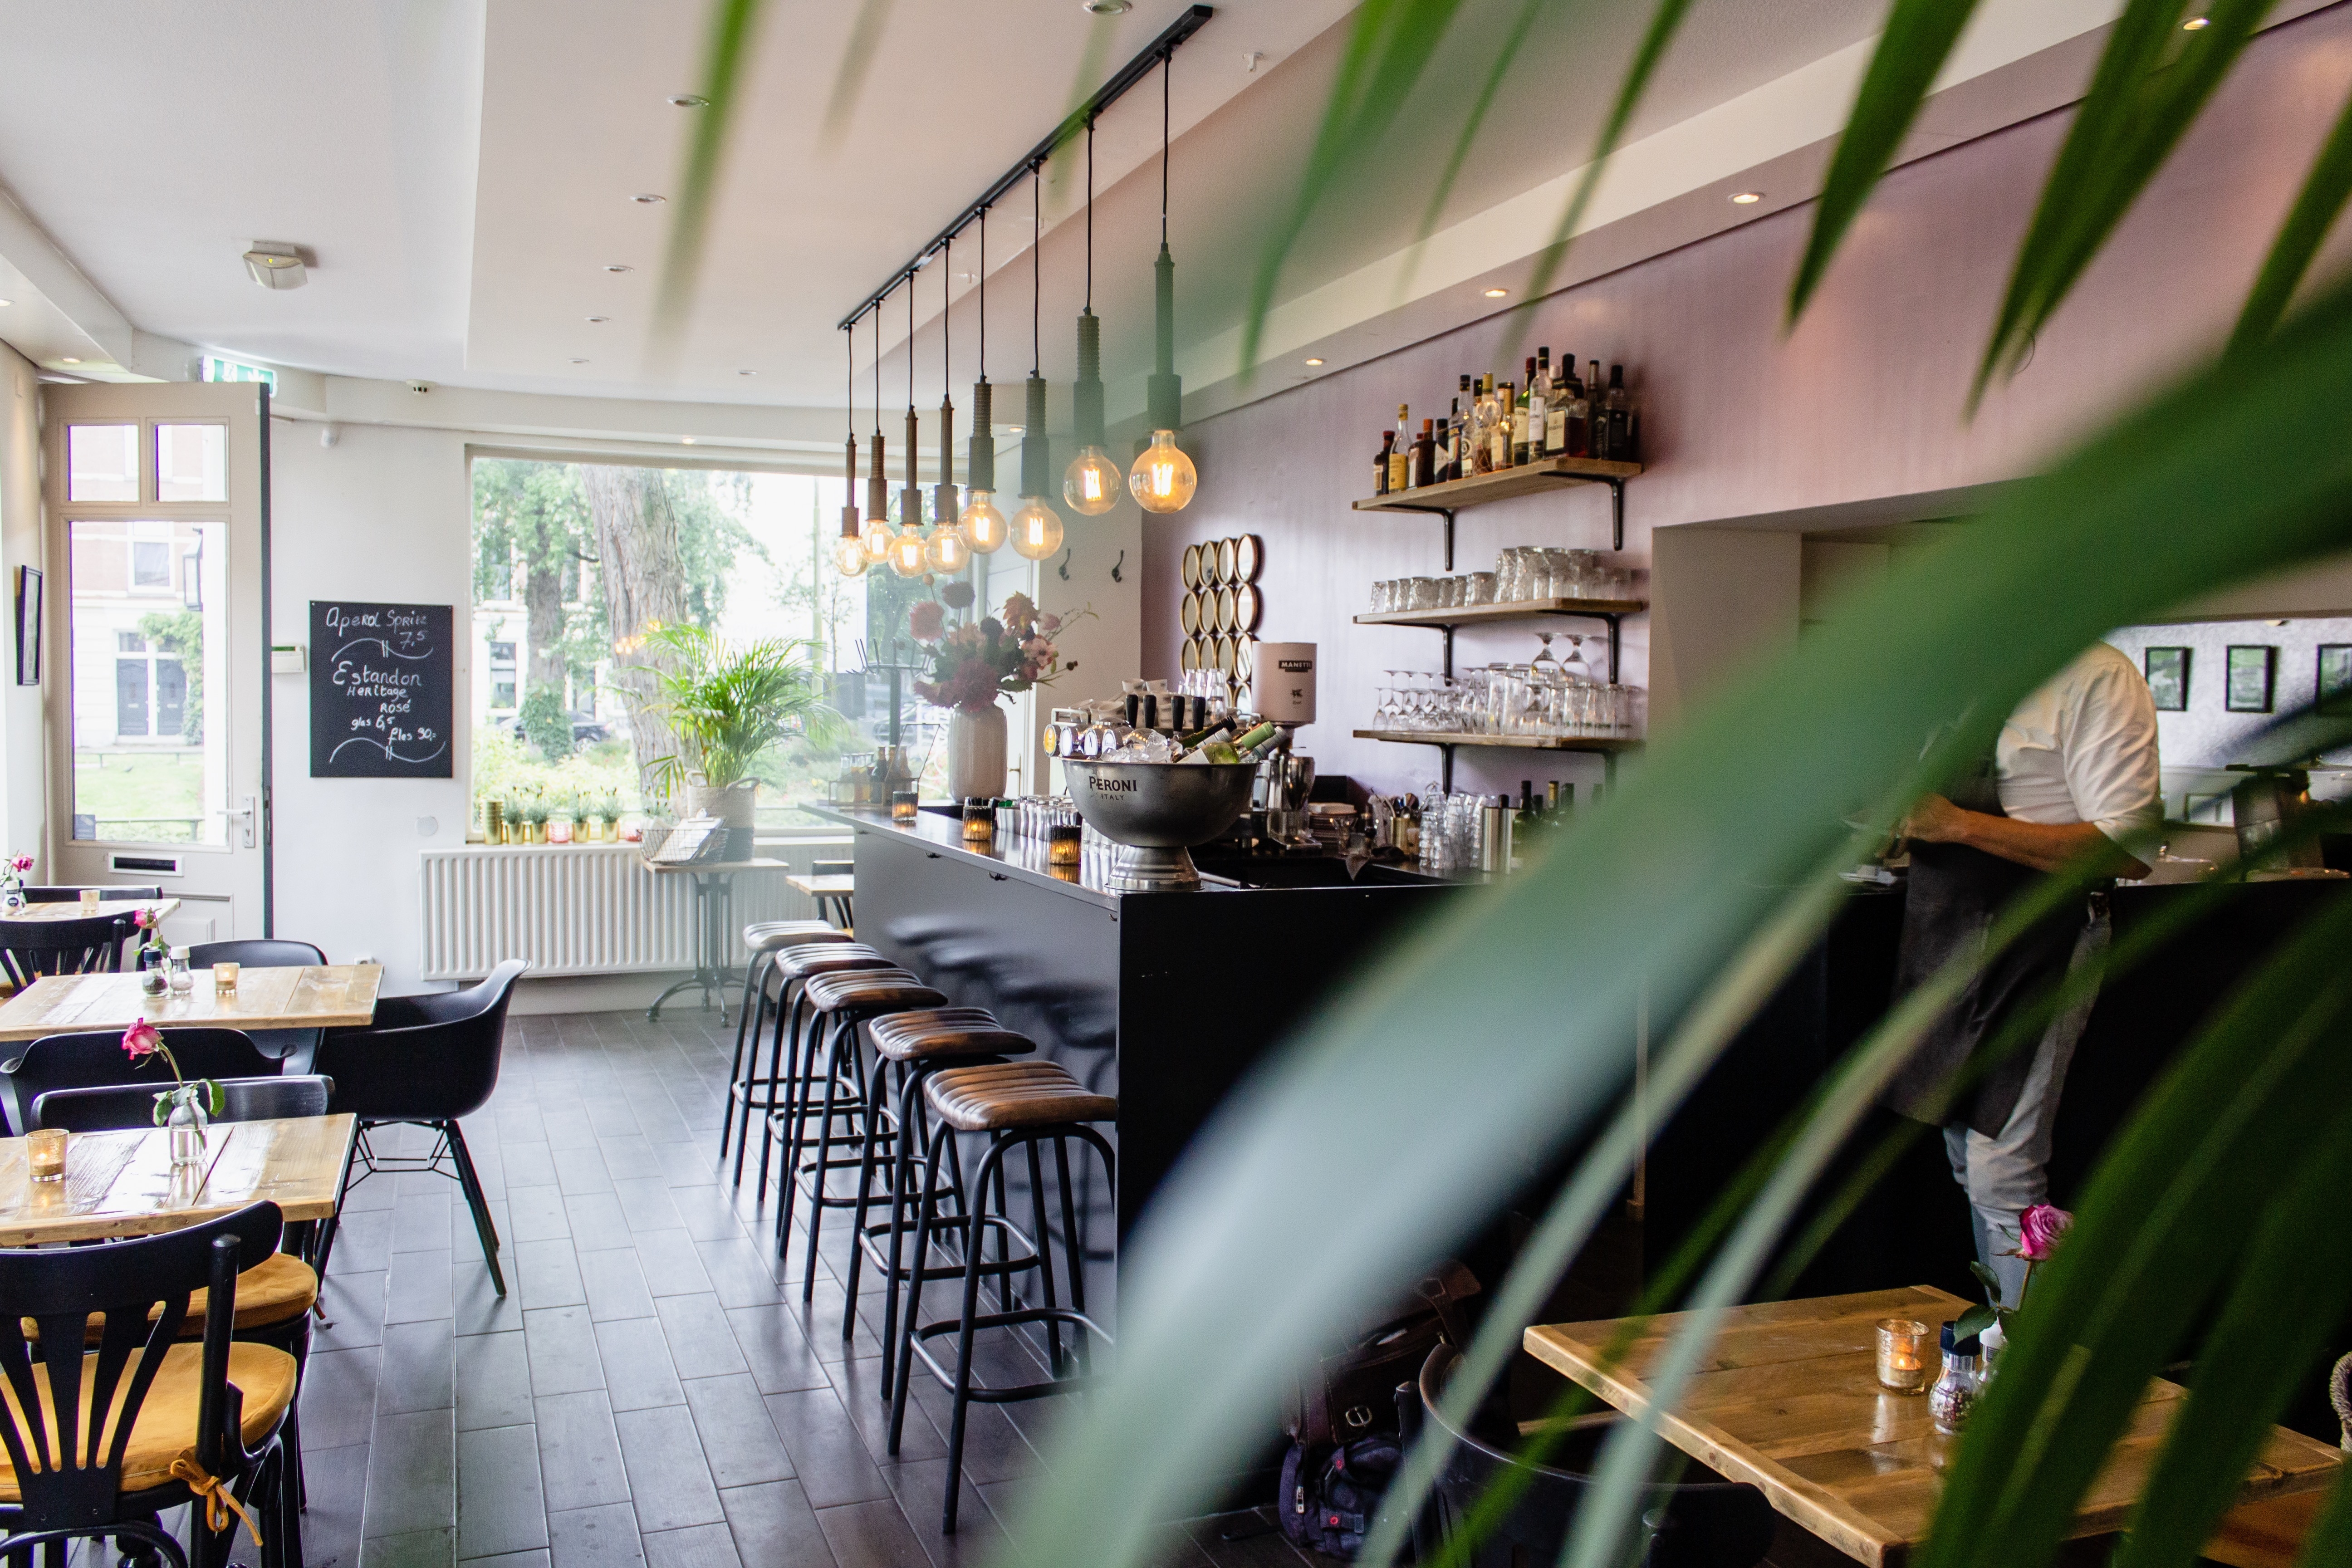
224,976
44,1153
1903,1362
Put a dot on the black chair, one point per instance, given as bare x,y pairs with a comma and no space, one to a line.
115,1106
92,945
193,1421
294,1048
96,1058
106,895
1713,1524
426,1060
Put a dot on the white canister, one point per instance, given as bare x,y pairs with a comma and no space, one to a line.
1284,687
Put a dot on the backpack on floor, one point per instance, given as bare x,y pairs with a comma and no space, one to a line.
1330,1495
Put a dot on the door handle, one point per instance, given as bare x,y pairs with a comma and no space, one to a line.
246,815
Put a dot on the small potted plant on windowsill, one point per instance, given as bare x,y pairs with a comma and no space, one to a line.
534,816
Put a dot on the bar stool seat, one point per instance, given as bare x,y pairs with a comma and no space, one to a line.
870,991
749,1090
995,1098
763,939
766,936
914,1037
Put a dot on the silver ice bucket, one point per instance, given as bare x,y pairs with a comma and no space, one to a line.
1155,812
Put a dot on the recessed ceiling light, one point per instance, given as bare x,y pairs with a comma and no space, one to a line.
1746,198
2196,24
618,266
648,199
1496,293
747,372
688,440
1315,362
69,359
690,100
580,362
595,321
1107,7
1010,429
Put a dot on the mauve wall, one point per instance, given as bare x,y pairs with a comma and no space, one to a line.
1863,401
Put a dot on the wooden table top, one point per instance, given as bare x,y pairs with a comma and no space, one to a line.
831,887
339,995
123,1184
1787,1400
761,863
71,910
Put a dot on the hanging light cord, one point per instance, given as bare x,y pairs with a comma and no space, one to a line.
878,373
1167,65
983,293
947,303
1090,212
910,345
849,344
1037,248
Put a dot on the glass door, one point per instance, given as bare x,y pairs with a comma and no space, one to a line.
157,501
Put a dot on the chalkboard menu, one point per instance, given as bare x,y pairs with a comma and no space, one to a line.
382,690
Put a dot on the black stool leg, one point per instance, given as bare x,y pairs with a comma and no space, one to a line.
992,1163
906,1346
824,1152
755,1005
751,1082
905,1151
876,1118
1045,1258
476,1201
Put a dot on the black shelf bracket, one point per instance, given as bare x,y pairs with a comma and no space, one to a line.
1616,542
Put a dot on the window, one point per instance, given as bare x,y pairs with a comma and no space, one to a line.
151,564
130,642
502,674
192,462
101,462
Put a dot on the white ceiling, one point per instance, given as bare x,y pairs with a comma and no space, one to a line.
462,171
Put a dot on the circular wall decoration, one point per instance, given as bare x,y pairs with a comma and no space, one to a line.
1192,566
1188,614
1246,608
1188,657
1249,556
1223,652
1224,622
1227,551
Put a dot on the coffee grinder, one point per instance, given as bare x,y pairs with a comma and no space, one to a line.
1284,686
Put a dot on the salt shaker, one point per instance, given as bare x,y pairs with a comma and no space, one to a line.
1955,1394
180,979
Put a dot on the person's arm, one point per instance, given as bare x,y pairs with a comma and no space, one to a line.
2045,846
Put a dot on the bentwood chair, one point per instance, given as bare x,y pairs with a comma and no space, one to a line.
54,895
1711,1524
115,1106
96,1058
197,1424
294,1048
427,1060
31,949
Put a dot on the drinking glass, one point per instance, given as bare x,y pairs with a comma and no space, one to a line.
1425,594
44,1153
1482,588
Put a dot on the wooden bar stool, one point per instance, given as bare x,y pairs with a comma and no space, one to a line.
911,1047
1019,1105
765,939
787,971
838,1002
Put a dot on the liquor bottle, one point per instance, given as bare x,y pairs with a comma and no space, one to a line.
1556,411
1597,417
1465,465
1507,406
1424,456
1575,413
1542,409
1442,465
1482,428
1401,454
1381,463
1620,416
1520,456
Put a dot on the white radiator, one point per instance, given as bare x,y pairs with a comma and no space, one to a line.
580,908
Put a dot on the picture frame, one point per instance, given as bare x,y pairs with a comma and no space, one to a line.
2167,669
2334,682
2252,682
28,626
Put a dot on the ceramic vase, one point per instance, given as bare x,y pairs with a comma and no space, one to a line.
976,753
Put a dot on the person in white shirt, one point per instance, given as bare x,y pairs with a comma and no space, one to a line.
2073,776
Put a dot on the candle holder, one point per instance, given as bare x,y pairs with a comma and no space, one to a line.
902,806
44,1153
224,977
1904,1362
979,820
1062,844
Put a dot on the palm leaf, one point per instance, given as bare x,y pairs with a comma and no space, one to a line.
1480,107
1919,39
2316,208
1741,800
2152,1241
1388,44
2151,81
856,64
2331,1534
732,25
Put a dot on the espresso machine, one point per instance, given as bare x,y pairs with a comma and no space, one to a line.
1284,690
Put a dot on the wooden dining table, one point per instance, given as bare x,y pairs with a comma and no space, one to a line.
123,1184
1787,1399
71,910
310,997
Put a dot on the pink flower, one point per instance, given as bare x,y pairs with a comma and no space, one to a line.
2042,1226
926,620
956,595
142,919
21,863
1049,624
141,1040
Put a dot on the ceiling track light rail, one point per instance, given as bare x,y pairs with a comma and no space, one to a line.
1132,74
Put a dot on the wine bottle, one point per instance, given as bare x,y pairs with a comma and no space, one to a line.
1555,437
1381,463
1424,456
1542,408
1482,428
1401,454
1597,415
1520,412
1620,416
1577,440
1505,405
1442,465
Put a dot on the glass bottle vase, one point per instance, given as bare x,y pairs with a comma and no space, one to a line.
187,1125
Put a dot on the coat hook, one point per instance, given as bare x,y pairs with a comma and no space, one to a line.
1064,567
1115,575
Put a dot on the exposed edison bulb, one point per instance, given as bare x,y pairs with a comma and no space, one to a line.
1036,530
876,537
1090,484
849,556
947,551
907,552
1163,478
983,526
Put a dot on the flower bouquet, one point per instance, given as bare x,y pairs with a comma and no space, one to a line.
2040,1229
973,662
12,880
186,1107
147,953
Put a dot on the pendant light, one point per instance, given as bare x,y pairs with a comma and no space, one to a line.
1036,527
876,533
983,526
1091,482
946,551
907,545
849,553
1163,478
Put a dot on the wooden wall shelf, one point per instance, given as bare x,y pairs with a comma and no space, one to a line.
1608,748
1527,479
1524,609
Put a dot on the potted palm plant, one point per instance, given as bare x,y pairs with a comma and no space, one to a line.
727,705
